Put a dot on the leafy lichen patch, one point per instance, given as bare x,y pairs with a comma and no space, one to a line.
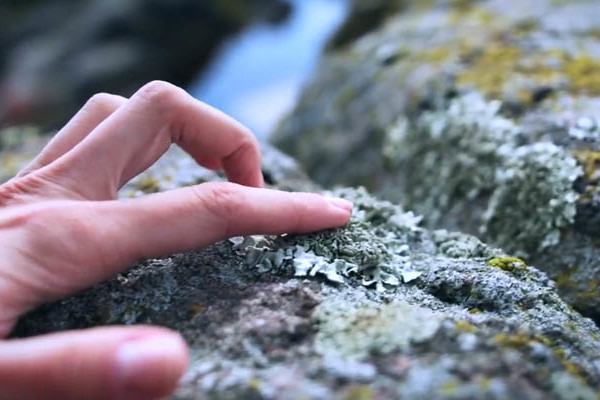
378,262
534,199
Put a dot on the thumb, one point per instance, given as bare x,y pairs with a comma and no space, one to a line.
101,363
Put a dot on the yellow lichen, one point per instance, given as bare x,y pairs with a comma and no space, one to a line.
465,326
148,184
254,384
517,340
492,69
584,75
435,55
197,309
520,340
509,264
571,367
359,392
475,310
499,66
449,387
464,11
590,161
485,383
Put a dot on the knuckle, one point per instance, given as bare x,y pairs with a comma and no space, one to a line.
159,93
222,200
102,102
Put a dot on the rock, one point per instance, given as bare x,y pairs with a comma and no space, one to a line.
482,116
54,55
364,17
471,324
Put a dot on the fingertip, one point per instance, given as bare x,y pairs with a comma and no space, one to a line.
340,211
150,367
341,204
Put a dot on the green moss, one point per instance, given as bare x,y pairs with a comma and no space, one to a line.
475,311
509,264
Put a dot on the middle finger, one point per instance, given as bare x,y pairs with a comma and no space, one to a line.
139,132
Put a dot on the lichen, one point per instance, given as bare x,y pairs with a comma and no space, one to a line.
148,184
350,251
455,153
509,264
584,75
353,332
534,199
469,152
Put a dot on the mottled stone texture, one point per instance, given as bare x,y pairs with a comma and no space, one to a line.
483,116
460,321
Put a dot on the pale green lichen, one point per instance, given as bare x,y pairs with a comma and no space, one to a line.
534,199
470,152
350,251
354,331
460,245
456,153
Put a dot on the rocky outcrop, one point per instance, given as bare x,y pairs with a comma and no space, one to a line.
55,54
379,309
482,116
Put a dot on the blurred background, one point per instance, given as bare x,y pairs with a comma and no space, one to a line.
249,58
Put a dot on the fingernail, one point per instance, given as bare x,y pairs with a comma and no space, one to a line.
148,365
340,203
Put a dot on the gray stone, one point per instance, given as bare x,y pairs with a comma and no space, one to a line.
473,324
485,122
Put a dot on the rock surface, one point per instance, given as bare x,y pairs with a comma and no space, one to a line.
380,309
55,54
482,116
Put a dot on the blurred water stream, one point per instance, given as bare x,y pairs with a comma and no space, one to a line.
258,75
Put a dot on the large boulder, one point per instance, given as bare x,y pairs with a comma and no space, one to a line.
484,116
379,309
55,54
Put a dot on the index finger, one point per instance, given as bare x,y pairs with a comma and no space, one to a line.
136,135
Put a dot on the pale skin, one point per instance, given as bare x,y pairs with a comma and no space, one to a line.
63,229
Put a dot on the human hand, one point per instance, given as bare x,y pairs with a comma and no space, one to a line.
62,229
